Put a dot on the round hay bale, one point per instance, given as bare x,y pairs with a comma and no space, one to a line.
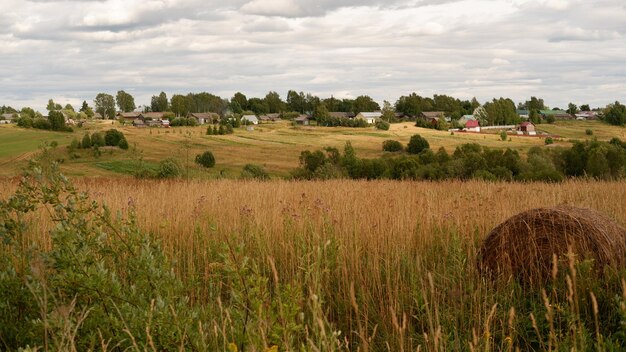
524,245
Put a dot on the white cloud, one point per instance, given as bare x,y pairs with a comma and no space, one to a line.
561,50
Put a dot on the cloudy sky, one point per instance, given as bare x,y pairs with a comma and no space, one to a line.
560,50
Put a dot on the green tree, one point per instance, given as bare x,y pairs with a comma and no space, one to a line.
27,112
389,113
585,107
615,114
364,103
179,105
53,106
84,107
159,103
572,109
417,144
105,105
274,103
125,101
57,120
296,101
238,103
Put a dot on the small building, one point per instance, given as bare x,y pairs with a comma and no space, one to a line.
273,117
302,120
472,126
250,119
152,115
205,117
97,116
7,118
527,128
264,118
433,114
139,123
129,117
369,117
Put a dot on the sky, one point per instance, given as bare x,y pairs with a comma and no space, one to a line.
558,50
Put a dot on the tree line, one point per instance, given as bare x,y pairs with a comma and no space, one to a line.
498,111
416,161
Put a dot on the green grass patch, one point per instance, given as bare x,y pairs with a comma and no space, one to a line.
127,167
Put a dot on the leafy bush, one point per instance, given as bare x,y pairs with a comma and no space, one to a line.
97,140
113,137
503,136
392,146
123,144
169,168
86,142
589,132
42,124
417,144
382,125
183,121
549,141
252,171
205,159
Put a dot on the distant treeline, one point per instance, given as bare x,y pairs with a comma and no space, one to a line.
593,159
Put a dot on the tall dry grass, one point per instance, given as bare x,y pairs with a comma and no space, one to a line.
396,259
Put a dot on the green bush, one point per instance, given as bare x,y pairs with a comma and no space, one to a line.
205,159
589,132
382,125
169,168
503,136
549,141
113,137
392,146
86,142
417,144
123,144
97,140
252,171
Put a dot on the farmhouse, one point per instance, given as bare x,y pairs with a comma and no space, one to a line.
587,115
527,128
152,115
472,126
205,117
128,116
7,118
273,117
302,120
433,114
250,119
139,123
369,117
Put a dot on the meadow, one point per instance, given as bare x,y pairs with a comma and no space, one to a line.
358,265
275,146
210,262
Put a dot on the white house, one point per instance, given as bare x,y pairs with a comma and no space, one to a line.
250,118
369,117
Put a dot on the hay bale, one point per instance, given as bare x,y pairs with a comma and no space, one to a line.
524,245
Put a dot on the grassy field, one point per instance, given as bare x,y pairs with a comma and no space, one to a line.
276,146
386,266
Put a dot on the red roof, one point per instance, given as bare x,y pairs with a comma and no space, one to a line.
472,124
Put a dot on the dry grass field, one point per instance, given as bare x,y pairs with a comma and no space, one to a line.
392,263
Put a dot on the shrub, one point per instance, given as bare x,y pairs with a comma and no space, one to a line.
252,171
205,159
113,137
86,143
42,124
417,144
382,125
392,146
26,122
97,140
503,136
589,132
123,144
549,140
169,168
